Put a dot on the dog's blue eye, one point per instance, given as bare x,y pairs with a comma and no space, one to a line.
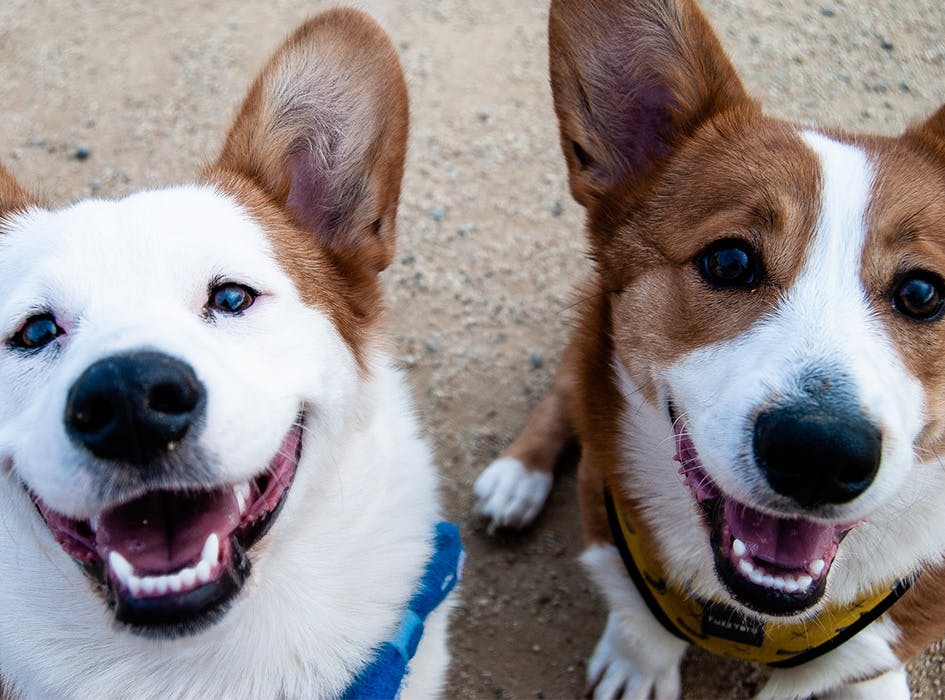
231,298
729,263
919,295
36,332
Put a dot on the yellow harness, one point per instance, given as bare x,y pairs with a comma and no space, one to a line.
724,630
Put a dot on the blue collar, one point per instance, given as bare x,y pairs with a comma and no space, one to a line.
382,678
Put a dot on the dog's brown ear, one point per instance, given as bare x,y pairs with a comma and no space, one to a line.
13,198
323,131
632,78
932,131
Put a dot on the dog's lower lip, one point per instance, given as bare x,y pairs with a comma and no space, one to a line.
771,564
169,562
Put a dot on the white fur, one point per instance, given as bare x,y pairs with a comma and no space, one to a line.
510,495
330,578
635,657
824,320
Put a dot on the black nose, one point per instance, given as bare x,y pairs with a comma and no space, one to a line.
816,456
134,407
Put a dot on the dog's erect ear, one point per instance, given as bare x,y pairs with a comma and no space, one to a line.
933,130
323,131
13,198
632,78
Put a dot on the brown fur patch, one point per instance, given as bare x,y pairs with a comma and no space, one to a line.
907,233
920,615
13,198
765,191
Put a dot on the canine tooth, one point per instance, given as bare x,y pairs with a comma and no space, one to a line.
756,576
739,548
174,583
211,549
93,523
203,571
817,566
122,568
242,492
804,582
188,576
745,567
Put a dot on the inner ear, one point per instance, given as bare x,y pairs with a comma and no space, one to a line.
631,79
323,132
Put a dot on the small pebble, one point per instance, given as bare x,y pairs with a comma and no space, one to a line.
557,209
437,214
537,360
81,153
827,11
886,44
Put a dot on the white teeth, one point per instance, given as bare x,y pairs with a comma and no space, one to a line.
757,575
93,523
120,565
203,571
241,492
185,579
211,550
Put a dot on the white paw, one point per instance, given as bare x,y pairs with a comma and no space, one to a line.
510,495
620,670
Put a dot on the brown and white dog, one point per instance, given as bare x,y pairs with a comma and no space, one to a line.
757,379
212,479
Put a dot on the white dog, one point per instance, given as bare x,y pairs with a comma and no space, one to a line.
212,480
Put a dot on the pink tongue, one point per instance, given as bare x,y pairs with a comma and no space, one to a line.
786,543
164,531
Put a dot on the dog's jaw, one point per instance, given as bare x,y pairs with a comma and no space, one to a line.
170,562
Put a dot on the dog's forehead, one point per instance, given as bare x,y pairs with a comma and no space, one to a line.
159,239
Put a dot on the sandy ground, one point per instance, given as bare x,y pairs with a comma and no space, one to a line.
490,241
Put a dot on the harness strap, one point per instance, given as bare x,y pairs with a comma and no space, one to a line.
381,679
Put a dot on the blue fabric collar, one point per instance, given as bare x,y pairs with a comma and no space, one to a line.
382,678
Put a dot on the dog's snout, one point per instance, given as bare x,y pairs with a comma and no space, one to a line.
133,407
817,456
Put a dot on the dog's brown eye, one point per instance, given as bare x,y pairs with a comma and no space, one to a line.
36,332
231,298
919,295
729,263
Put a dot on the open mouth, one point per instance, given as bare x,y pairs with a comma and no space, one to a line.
170,562
776,565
